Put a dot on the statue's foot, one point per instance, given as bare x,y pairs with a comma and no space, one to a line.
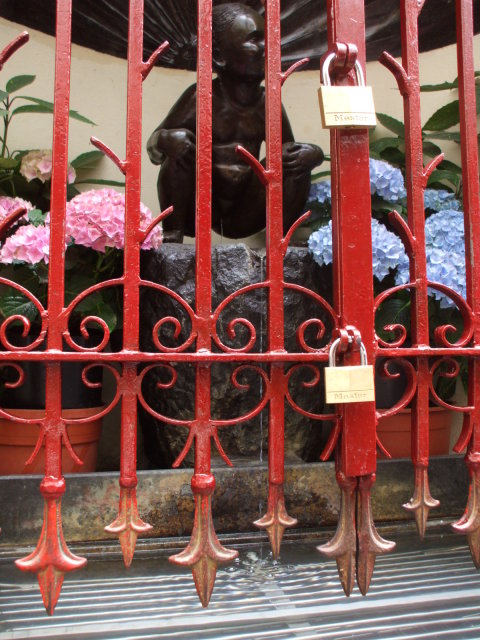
173,236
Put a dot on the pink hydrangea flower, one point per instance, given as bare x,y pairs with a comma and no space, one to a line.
38,164
8,206
96,219
28,244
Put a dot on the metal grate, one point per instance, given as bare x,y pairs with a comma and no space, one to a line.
427,590
350,320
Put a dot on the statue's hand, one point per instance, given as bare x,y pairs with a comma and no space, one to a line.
299,157
178,144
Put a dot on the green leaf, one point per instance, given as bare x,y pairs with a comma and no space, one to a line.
78,116
392,311
49,105
116,183
3,112
32,108
8,163
19,153
379,205
43,103
77,283
3,95
16,304
95,306
438,176
446,117
392,124
87,160
431,149
447,165
443,86
72,191
106,312
36,217
453,136
18,82
377,146
394,156
320,174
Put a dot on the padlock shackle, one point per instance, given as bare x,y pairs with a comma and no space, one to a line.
326,71
332,352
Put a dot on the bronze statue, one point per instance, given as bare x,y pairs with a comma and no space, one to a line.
238,197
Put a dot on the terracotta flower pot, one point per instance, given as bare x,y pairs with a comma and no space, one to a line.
394,432
17,442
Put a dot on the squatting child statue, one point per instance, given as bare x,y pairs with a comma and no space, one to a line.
238,197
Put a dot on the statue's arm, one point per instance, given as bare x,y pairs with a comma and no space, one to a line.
175,136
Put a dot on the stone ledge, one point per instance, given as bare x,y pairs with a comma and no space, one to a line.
165,499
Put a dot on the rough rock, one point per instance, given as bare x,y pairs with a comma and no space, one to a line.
233,267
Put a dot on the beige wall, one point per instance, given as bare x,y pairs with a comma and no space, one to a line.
99,92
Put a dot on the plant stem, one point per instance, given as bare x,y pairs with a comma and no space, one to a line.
6,122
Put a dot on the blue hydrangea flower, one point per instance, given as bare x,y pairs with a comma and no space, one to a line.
321,192
387,249
320,244
440,199
386,181
444,241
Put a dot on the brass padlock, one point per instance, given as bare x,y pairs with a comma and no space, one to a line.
351,383
346,107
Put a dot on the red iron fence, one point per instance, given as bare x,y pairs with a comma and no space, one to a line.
356,542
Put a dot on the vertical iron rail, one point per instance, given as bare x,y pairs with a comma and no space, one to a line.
351,214
470,521
204,552
52,559
276,518
416,177
415,182
356,543
128,524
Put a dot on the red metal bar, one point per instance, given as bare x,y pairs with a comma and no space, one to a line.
52,559
128,524
7,52
407,76
351,214
208,356
204,552
356,542
276,518
133,176
470,521
415,182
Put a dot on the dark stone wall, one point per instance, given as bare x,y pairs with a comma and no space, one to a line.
233,267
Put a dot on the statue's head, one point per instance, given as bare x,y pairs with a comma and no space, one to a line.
238,41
